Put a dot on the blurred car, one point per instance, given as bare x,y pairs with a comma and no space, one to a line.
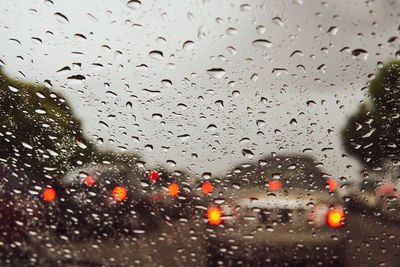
379,191
281,209
100,201
173,196
380,196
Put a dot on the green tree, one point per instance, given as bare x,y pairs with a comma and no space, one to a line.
373,133
39,134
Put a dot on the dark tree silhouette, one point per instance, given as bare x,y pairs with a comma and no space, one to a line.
373,133
40,137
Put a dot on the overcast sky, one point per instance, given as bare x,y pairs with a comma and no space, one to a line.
148,85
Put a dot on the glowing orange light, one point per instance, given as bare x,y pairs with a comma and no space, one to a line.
89,180
207,188
119,193
173,189
153,176
335,217
214,216
49,194
275,185
332,184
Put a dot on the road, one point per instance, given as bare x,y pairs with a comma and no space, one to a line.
371,240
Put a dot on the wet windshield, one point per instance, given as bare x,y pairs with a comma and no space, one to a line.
199,133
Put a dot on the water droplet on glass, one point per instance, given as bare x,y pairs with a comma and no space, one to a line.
166,83
134,4
279,71
216,73
359,53
231,31
188,45
156,54
260,29
278,21
245,7
40,111
247,153
333,30
13,89
61,17
262,43
254,77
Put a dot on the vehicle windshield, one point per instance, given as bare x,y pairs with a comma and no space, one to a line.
199,133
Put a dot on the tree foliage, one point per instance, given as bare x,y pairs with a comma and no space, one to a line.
373,133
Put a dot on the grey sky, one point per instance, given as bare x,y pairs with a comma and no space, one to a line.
215,116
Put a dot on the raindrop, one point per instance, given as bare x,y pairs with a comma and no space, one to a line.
231,31
13,89
156,54
156,116
392,39
76,77
36,40
262,43
322,68
134,4
111,94
166,83
231,50
247,153
80,36
333,30
236,186
219,103
296,52
310,103
171,163
212,127
184,137
105,125
40,95
260,29
245,7
359,52
26,145
61,17
216,73
40,111
206,175
279,71
15,40
277,21
188,45
254,77
66,68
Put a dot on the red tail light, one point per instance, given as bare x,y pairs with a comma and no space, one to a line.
275,185
49,194
153,176
332,184
89,180
335,218
214,216
207,188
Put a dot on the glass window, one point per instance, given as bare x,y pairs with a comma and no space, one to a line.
199,133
